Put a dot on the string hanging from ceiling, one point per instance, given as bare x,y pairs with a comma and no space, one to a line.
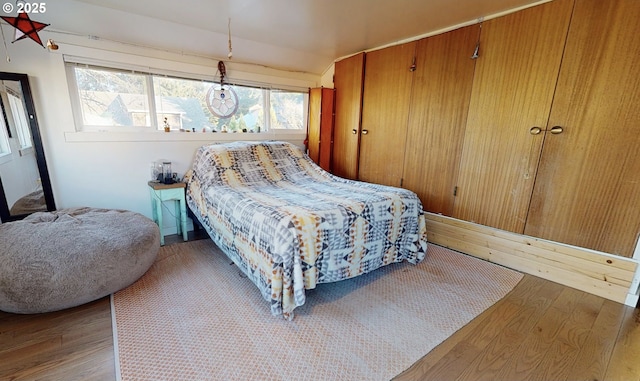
222,100
230,55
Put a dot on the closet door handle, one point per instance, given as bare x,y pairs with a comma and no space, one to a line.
364,132
354,131
556,130
535,130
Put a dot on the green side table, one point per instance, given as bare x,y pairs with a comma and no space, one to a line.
169,192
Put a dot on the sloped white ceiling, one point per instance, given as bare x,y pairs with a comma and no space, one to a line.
298,35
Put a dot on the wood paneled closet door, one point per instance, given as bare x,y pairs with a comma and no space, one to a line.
513,87
587,191
385,112
320,136
438,116
347,81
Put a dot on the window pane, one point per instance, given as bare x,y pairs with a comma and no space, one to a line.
182,103
287,110
20,120
250,114
112,98
4,138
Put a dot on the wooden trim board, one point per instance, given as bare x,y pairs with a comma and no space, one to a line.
606,275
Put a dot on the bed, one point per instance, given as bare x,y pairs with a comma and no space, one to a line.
289,225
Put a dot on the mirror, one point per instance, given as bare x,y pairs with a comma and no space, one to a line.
25,186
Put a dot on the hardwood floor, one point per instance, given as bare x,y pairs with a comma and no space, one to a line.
73,344
539,331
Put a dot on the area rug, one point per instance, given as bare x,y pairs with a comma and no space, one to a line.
195,316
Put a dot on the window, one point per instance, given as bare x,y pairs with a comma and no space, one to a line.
250,114
19,118
287,110
4,137
113,99
182,103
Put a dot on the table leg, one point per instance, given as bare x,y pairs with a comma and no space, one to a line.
183,218
158,217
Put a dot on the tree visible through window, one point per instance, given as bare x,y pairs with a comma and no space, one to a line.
117,98
112,98
287,110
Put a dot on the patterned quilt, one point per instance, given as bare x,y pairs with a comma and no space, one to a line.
290,225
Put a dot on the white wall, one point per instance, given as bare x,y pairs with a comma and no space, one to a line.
111,170
327,77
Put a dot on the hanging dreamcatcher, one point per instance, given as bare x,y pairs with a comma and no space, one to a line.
222,100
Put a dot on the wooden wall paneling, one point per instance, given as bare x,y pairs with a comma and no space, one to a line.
313,134
438,116
514,80
326,131
385,112
587,191
348,82
598,273
320,135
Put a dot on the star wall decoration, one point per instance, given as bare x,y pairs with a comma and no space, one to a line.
25,27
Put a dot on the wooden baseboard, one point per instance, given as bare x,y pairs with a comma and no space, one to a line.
606,275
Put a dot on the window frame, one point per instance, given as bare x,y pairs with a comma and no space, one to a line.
20,119
155,124
5,147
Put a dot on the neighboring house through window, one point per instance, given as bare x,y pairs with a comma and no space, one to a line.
110,99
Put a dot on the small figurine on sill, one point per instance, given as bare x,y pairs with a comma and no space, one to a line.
167,127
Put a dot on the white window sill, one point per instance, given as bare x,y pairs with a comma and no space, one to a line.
176,136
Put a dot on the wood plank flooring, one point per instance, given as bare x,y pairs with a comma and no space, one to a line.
540,331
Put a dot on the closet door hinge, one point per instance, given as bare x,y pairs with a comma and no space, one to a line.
413,66
476,52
